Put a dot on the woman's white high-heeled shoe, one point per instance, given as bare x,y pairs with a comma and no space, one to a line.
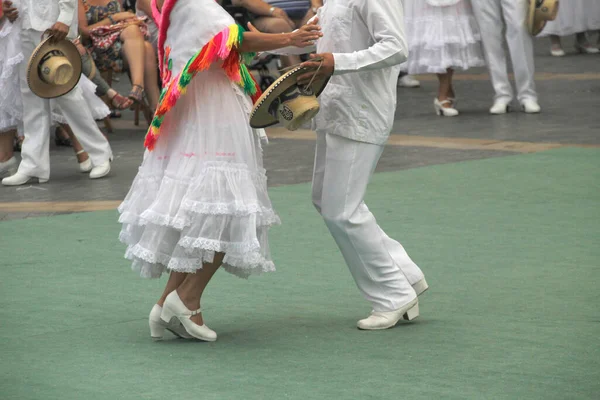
158,326
557,51
9,167
586,48
444,111
85,166
174,307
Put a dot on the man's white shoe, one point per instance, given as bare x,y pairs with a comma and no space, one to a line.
20,179
530,106
384,320
101,170
408,81
420,286
10,166
500,107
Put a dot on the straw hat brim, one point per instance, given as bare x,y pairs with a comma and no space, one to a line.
536,25
37,84
260,116
531,16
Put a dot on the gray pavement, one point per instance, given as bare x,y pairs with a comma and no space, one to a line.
569,90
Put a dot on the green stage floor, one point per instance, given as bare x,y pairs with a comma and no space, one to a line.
509,247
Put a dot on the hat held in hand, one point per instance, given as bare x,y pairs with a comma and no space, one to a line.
540,12
288,102
54,69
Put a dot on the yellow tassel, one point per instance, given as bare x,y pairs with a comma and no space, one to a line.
234,32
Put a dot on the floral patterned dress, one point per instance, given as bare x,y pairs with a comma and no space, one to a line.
112,58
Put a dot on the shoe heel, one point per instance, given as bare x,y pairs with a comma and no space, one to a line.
156,330
40,180
412,313
166,315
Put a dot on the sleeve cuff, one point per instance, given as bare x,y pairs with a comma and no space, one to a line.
344,63
65,18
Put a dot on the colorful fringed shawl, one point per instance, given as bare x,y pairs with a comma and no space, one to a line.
223,46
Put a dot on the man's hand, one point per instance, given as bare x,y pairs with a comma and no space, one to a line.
327,63
9,11
58,32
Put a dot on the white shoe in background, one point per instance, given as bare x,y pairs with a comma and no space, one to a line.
501,106
9,167
444,111
586,48
101,170
530,106
408,81
557,51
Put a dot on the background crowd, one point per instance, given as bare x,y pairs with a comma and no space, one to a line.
117,39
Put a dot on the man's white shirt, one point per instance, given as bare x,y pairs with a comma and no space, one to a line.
40,15
368,44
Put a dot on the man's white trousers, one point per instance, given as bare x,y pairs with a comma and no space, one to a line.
381,268
37,120
492,16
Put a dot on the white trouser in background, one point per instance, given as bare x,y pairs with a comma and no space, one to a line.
490,15
35,151
381,268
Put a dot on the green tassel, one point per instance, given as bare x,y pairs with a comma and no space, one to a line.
240,35
157,121
247,81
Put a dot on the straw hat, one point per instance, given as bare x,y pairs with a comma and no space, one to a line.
540,12
288,102
53,69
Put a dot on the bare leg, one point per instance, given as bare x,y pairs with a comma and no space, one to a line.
77,147
190,291
451,93
175,280
151,76
444,88
133,47
6,145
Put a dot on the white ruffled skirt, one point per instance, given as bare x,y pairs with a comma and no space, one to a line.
441,37
11,107
98,107
574,16
203,189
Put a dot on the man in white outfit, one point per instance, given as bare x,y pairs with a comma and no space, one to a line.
59,17
363,45
490,15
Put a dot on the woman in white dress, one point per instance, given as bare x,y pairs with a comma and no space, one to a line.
442,36
575,17
199,200
11,106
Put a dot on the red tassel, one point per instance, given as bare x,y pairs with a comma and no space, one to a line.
150,141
